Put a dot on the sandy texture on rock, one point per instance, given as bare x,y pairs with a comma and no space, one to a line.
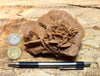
88,17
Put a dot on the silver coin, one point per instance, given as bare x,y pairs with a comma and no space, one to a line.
14,39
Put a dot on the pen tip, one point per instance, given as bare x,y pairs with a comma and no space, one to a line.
11,64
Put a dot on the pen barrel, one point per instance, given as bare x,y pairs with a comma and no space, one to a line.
62,65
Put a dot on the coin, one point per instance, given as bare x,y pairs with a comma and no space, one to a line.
14,39
14,52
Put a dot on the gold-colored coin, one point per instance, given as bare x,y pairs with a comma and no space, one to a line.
14,52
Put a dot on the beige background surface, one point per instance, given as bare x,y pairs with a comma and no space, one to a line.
87,12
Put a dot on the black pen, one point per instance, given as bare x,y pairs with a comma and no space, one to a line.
61,65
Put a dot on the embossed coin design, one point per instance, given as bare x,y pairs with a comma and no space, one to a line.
14,39
14,52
